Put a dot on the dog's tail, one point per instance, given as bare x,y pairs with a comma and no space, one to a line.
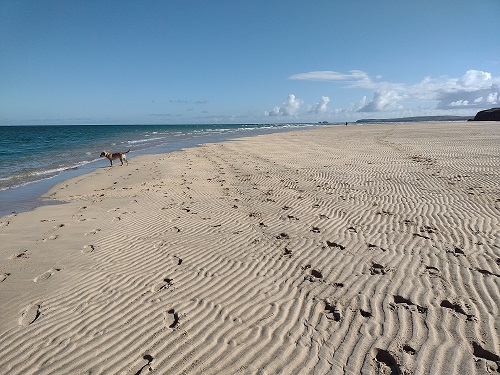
127,151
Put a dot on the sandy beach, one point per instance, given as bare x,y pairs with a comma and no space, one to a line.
363,249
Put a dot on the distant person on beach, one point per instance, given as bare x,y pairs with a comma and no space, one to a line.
346,124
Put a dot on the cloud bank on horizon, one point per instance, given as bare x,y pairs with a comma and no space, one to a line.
475,90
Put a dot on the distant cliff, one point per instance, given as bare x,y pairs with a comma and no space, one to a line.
492,114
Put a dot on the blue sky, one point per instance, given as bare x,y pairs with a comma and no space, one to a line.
243,61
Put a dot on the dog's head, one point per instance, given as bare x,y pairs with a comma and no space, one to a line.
103,153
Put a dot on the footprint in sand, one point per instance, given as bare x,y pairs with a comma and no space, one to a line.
176,261
282,236
457,308
407,303
46,275
286,253
95,231
51,238
171,318
432,271
141,366
20,255
458,251
332,312
161,285
332,245
29,315
374,247
88,249
408,349
377,269
383,357
312,275
428,229
3,276
480,352
317,274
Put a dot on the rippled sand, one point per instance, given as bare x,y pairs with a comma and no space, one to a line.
368,249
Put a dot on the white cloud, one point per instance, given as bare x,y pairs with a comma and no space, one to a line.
383,101
355,78
493,98
289,108
470,90
361,104
475,89
322,106
476,79
275,112
459,103
328,75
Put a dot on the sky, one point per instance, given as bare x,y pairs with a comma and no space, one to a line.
245,61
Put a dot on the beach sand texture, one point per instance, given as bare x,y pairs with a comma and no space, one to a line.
368,249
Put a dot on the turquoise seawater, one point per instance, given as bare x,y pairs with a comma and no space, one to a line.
33,158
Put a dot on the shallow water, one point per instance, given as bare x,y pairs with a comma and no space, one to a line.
35,158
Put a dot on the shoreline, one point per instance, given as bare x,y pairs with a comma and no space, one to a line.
28,196
358,249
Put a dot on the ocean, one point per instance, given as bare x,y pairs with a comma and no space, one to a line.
34,158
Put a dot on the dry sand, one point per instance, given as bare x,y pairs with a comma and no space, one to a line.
367,249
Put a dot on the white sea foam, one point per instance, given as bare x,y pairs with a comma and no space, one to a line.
137,141
27,178
62,168
25,183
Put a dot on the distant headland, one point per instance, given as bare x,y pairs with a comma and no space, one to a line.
416,119
492,114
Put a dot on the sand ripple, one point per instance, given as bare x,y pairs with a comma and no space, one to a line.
363,249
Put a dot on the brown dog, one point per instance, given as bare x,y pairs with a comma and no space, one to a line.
115,155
